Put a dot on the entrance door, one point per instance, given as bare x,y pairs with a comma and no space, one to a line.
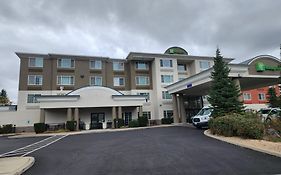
127,117
96,120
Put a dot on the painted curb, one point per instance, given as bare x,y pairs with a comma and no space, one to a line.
207,133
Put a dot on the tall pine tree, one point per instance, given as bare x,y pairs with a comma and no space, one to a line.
272,98
224,94
4,100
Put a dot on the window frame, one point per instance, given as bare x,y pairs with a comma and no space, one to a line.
204,61
35,77
165,113
120,63
71,66
147,114
184,65
162,79
35,58
164,95
119,81
60,77
261,95
141,62
162,65
95,80
142,76
95,68
34,100
246,94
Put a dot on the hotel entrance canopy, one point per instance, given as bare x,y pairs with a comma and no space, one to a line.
260,71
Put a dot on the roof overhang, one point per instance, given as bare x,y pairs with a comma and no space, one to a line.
199,84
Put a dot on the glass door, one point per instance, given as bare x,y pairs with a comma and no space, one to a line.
96,120
127,118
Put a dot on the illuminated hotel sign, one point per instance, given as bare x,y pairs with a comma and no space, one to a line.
261,67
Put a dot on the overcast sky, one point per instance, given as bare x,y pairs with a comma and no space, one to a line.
242,29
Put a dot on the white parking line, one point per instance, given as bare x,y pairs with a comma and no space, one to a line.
34,146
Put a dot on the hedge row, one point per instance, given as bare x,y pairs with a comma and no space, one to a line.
140,122
40,127
167,120
6,129
246,126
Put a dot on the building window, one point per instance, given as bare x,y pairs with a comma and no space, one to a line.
247,96
166,63
142,80
66,63
181,67
144,94
204,65
166,95
35,79
117,65
168,113
141,65
31,98
167,78
35,62
95,64
146,114
262,96
119,81
96,81
65,80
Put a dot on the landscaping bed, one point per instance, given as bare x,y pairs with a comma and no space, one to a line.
268,147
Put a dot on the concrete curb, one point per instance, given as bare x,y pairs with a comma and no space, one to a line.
90,131
15,165
221,138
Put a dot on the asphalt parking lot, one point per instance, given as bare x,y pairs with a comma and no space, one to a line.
173,150
7,144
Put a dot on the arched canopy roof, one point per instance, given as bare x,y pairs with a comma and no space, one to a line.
94,88
90,96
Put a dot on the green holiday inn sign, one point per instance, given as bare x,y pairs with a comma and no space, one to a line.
261,67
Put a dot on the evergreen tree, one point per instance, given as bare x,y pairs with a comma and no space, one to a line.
272,98
4,100
224,94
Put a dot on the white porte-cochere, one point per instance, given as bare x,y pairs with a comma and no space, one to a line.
90,96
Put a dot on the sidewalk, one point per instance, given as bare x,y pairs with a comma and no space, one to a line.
15,165
33,134
272,148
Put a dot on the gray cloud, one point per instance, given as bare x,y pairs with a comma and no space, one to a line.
113,28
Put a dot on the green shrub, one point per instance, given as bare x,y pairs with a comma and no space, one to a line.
247,126
167,120
250,128
133,124
7,129
71,125
223,126
118,123
40,127
143,121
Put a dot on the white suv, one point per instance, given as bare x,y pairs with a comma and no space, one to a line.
268,114
202,118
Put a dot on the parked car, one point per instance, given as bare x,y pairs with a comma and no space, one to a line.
268,114
202,118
